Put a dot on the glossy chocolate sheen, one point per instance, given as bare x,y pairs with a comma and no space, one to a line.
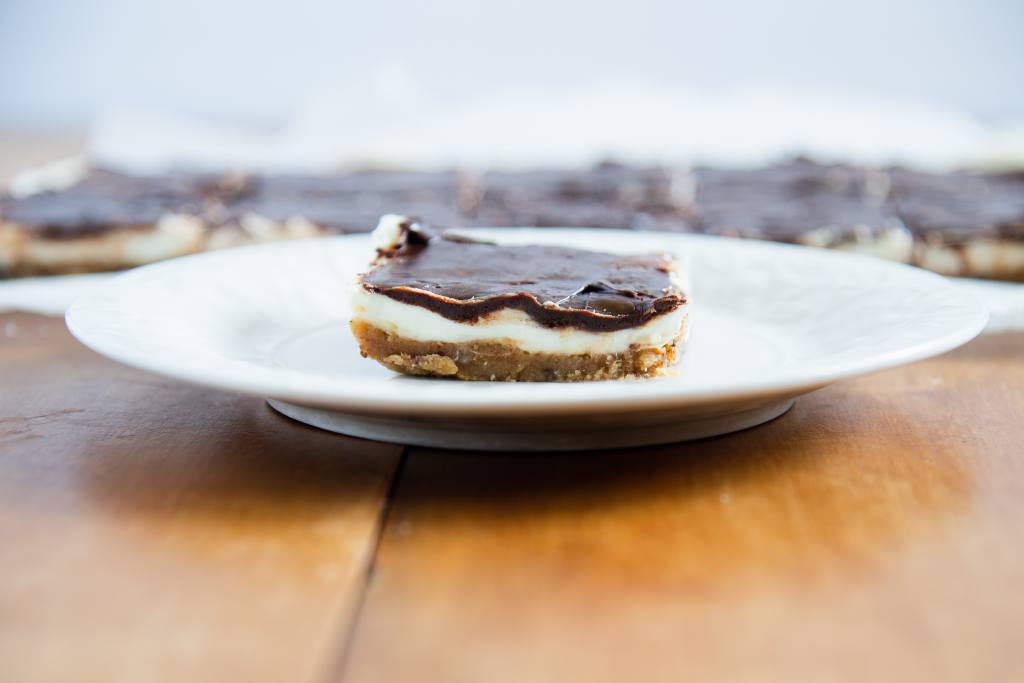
464,279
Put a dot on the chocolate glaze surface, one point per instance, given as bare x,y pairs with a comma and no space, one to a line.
334,214
350,203
542,214
106,200
604,196
843,218
648,189
958,207
788,201
797,201
464,280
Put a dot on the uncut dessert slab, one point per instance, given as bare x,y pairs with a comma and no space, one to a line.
770,322
964,223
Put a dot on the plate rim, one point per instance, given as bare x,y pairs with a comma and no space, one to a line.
332,400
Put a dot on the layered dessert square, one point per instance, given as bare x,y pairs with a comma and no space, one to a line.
449,305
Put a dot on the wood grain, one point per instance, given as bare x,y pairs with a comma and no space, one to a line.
151,530
874,533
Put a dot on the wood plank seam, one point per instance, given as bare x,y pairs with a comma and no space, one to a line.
336,671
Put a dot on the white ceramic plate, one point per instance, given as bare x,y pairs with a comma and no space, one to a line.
769,321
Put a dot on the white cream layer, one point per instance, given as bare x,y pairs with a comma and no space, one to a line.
416,322
895,244
981,257
173,235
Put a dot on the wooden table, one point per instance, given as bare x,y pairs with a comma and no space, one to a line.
151,530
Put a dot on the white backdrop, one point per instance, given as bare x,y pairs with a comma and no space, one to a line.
66,61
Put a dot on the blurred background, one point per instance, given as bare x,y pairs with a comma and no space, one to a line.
311,83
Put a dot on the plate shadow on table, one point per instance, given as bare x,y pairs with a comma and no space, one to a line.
778,496
138,444
270,464
781,495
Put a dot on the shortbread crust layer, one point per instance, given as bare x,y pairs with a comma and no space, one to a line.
495,360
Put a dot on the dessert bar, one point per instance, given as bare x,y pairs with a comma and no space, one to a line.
452,306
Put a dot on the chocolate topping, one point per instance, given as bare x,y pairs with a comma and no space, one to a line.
605,196
790,201
63,215
797,201
107,200
543,214
464,279
350,203
649,189
334,214
958,207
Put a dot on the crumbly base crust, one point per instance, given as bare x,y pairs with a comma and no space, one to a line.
505,362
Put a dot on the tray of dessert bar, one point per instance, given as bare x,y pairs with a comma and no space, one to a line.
92,219
625,314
